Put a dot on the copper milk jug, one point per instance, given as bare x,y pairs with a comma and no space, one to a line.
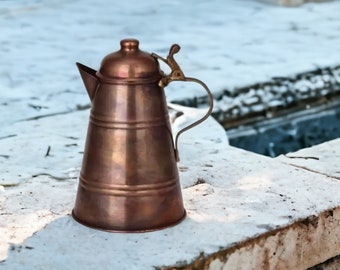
129,178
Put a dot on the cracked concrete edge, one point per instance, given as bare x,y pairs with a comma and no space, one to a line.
300,245
314,171
320,159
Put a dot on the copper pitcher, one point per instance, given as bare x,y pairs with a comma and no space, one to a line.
129,178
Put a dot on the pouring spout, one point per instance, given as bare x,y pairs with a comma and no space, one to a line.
90,79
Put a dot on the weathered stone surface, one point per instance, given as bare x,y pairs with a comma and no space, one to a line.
298,246
237,203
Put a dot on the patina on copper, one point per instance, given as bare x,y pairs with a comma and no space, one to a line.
129,178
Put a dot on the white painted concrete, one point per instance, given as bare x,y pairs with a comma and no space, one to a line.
240,196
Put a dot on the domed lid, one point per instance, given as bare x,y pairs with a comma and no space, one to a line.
129,63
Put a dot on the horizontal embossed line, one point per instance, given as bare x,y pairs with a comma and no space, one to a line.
129,190
128,81
107,122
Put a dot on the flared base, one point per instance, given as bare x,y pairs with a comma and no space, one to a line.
113,230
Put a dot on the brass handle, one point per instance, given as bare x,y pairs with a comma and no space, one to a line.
178,75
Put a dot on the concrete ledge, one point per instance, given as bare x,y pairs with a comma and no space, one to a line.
245,211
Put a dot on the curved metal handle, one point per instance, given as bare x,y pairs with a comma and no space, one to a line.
178,75
211,105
